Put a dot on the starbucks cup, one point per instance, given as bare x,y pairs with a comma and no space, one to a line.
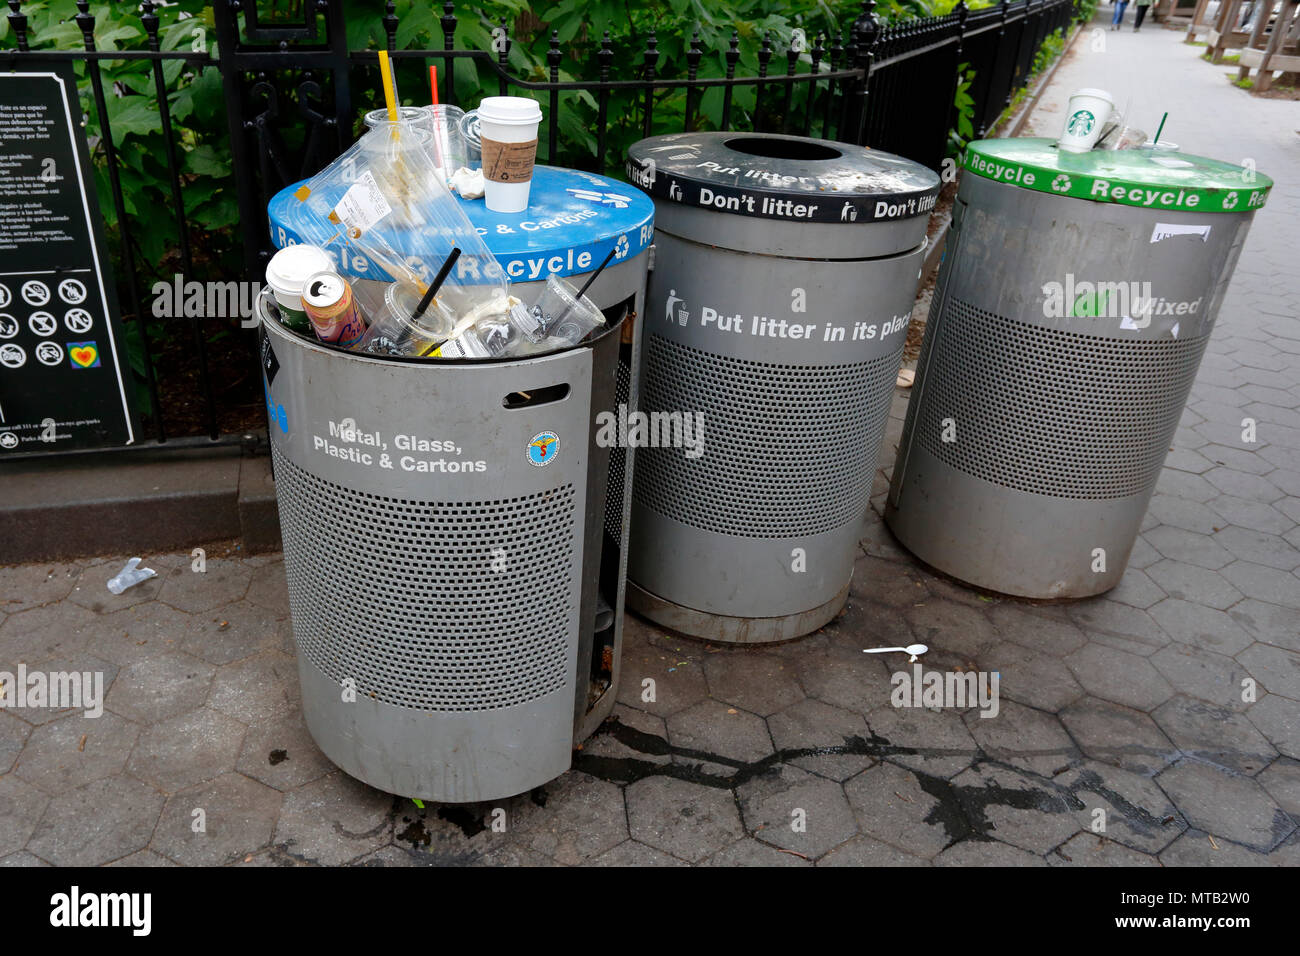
1085,116
287,273
508,129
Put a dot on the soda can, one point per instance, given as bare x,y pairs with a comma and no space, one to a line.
327,299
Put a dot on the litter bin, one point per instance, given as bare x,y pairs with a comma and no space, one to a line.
454,535
785,271
1075,301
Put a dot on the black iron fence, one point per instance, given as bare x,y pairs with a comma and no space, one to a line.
288,89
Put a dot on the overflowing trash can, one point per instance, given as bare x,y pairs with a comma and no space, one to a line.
785,271
1076,297
454,532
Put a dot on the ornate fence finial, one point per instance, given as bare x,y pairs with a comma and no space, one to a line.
390,26
18,23
733,53
651,55
605,58
554,55
86,23
448,22
765,54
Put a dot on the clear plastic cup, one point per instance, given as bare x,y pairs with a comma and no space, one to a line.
448,141
394,332
561,315
508,127
472,134
415,115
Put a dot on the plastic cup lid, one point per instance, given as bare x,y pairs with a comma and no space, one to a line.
292,266
510,110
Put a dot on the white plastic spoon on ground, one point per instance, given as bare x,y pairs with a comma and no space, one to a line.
912,649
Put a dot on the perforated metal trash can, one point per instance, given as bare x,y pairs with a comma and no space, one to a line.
478,611
785,271
1075,301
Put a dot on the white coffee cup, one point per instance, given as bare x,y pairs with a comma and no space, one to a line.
1085,116
508,125
287,273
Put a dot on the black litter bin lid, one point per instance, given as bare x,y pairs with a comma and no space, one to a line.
786,178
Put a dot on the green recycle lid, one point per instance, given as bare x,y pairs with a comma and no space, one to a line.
1150,178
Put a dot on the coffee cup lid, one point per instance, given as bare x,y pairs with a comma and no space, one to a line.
510,110
292,266
1099,94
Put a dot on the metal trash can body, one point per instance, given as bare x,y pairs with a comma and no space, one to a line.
785,271
458,610
1069,319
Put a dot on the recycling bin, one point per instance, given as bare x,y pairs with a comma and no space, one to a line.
454,532
785,272
1075,301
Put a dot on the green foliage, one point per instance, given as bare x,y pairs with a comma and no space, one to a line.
1084,10
1053,46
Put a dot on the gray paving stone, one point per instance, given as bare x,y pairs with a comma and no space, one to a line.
1119,676
1245,459
1259,548
60,629
677,683
1181,513
97,823
159,686
1088,849
185,751
21,859
1215,735
94,690
1118,735
333,820
867,851
1190,583
256,687
1197,848
1226,805
714,728
1046,630
1281,781
269,589
757,681
1247,513
886,582
1136,589
279,752
952,628
751,852
934,742
970,853
1278,719
892,805
1189,547
512,855
843,676
877,542
1023,737
143,858
1134,810
1015,808
238,818
225,580
1269,623
1038,679
1143,554
75,750
1118,625
686,820
1184,485
1276,669
26,586
13,734
236,631
815,725
1203,627
1243,484
21,806
631,853
797,811
137,632
1213,678
606,744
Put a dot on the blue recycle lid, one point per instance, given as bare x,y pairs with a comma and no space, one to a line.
572,221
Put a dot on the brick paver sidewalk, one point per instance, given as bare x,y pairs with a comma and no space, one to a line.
1130,703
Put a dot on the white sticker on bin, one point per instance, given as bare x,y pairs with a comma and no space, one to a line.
1164,230
363,204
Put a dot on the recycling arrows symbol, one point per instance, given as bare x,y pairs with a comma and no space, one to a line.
616,200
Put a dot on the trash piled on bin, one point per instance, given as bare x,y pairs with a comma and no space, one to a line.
387,199
1093,121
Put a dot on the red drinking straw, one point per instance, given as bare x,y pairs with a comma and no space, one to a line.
433,83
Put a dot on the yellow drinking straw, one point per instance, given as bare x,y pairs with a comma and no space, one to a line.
390,98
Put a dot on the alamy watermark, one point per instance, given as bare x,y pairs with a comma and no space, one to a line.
180,299
58,690
624,429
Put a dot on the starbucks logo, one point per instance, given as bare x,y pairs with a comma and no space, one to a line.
1061,183
1081,123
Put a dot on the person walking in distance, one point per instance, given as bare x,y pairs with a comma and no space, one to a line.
1118,19
1140,13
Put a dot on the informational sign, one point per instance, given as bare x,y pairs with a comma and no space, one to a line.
63,383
